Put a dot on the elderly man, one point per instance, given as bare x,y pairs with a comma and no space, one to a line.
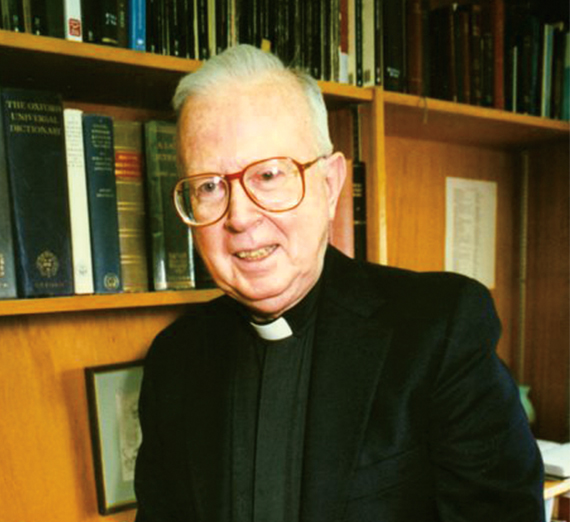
317,389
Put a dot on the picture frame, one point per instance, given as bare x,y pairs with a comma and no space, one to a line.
112,395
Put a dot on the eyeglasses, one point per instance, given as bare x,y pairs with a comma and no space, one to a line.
275,184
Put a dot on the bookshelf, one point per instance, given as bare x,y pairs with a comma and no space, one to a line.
410,145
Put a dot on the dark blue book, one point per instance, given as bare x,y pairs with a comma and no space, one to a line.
102,196
7,266
34,132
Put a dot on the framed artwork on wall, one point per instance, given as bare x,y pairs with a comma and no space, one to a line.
113,393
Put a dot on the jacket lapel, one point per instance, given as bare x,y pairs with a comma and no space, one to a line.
350,345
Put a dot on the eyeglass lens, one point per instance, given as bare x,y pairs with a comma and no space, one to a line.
274,185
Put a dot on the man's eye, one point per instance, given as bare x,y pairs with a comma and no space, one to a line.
206,189
270,175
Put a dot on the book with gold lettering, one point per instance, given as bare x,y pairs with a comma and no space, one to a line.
170,239
34,141
129,178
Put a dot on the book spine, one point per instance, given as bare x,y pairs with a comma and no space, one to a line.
203,24
123,23
78,204
358,40
109,22
12,16
8,288
38,17
137,25
415,47
547,69
476,52
73,26
394,36
378,42
26,14
171,240
359,209
498,31
351,42
130,205
102,195
90,19
368,46
212,45
566,91
33,126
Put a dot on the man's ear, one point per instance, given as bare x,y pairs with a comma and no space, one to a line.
335,176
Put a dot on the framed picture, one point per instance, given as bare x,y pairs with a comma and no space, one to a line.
113,393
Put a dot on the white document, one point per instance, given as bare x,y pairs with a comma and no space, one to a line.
470,228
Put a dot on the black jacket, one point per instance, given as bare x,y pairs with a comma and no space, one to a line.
411,415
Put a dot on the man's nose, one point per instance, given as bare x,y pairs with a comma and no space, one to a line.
242,211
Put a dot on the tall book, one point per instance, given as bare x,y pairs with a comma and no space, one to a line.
565,113
78,203
73,25
170,238
129,177
102,194
34,132
359,209
394,37
7,265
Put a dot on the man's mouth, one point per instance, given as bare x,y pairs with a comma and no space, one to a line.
253,255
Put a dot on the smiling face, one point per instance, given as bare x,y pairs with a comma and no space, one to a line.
268,261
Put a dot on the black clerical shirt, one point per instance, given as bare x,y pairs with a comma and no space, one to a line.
270,399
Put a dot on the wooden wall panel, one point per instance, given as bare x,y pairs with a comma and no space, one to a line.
45,446
416,174
547,367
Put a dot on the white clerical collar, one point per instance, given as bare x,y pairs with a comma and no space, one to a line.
274,331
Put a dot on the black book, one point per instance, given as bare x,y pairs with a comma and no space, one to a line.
108,22
359,209
394,43
34,132
203,40
89,15
12,16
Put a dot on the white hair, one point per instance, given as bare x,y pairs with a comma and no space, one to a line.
246,63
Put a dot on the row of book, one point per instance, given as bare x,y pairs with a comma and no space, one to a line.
496,53
85,202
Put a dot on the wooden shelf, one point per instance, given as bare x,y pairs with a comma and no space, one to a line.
437,120
84,72
103,302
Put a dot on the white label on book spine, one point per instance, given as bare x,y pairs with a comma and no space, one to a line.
73,22
78,203
470,228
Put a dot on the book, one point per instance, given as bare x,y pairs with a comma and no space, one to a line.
108,21
123,23
394,38
359,209
170,239
137,25
78,203
565,112
547,70
556,458
341,232
129,178
54,14
73,26
368,45
7,265
102,196
34,132
416,42
12,15
498,29
89,15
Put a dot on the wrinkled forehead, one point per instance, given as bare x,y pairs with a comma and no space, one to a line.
236,125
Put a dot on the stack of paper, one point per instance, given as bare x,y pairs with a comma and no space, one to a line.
556,458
